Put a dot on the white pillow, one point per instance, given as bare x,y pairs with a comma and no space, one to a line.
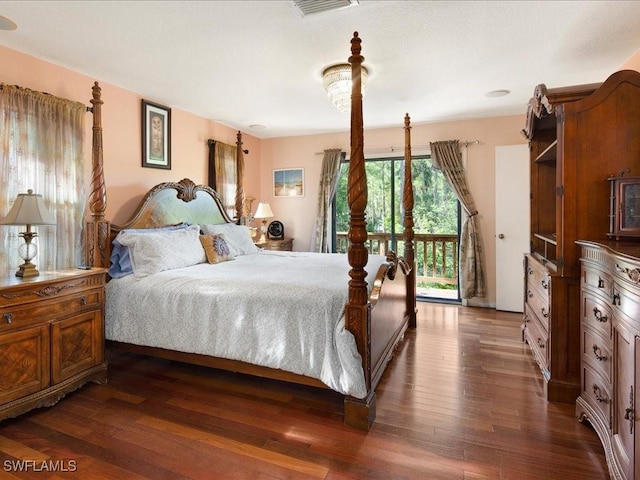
238,237
164,250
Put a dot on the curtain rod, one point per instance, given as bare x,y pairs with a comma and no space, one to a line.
393,149
87,108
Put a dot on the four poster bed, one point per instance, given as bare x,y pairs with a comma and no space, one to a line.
339,326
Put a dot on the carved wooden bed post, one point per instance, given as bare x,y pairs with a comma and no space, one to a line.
408,224
239,179
359,413
97,242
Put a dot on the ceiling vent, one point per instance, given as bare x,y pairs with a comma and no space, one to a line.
310,7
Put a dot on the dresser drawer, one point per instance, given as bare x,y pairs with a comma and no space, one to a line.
538,339
597,393
539,305
537,277
24,315
628,272
596,351
597,314
596,280
626,302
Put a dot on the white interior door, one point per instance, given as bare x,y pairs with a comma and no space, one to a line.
512,224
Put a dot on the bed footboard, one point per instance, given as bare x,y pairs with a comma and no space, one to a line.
389,316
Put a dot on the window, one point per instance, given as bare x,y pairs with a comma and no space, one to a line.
436,216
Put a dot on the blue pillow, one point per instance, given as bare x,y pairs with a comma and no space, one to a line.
120,259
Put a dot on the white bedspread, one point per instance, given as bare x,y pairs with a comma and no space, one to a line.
282,310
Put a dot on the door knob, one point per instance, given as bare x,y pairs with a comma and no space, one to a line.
501,236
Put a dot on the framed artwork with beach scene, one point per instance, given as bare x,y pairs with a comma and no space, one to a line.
288,182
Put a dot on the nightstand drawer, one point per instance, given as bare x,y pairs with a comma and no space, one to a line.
282,245
30,314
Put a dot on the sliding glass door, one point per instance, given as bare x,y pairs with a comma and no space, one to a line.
436,215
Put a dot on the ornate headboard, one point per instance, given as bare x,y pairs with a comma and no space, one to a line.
171,203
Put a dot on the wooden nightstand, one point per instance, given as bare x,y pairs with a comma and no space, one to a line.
51,337
283,245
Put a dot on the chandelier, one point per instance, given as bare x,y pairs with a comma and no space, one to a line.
336,80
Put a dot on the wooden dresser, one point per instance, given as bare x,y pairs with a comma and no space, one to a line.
610,351
51,337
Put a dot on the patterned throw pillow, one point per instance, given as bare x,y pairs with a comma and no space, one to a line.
216,248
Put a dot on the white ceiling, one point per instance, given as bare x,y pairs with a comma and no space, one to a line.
242,63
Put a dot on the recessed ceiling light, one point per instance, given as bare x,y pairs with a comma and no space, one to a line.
6,24
257,126
497,93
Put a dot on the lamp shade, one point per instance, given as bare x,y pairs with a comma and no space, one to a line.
29,209
263,211
336,80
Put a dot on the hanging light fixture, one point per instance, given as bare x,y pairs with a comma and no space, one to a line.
336,80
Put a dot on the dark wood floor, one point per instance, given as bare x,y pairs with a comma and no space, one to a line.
461,400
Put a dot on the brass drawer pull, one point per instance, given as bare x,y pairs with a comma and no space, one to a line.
600,282
598,394
529,294
598,353
630,413
544,312
83,301
616,299
621,269
540,343
544,284
599,316
8,317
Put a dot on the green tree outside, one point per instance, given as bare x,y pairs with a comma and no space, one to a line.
435,209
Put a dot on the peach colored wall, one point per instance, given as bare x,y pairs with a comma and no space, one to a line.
125,178
127,181
298,214
633,63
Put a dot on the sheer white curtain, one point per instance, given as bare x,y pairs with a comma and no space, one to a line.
226,170
41,148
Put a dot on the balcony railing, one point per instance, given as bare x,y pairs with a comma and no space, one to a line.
436,255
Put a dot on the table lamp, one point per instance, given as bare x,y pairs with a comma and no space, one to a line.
263,211
28,209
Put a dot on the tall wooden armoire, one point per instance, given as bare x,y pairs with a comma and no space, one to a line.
578,136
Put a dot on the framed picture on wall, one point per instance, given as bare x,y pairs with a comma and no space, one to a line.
288,182
156,135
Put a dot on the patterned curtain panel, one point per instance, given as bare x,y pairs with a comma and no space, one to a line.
328,183
41,148
446,157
